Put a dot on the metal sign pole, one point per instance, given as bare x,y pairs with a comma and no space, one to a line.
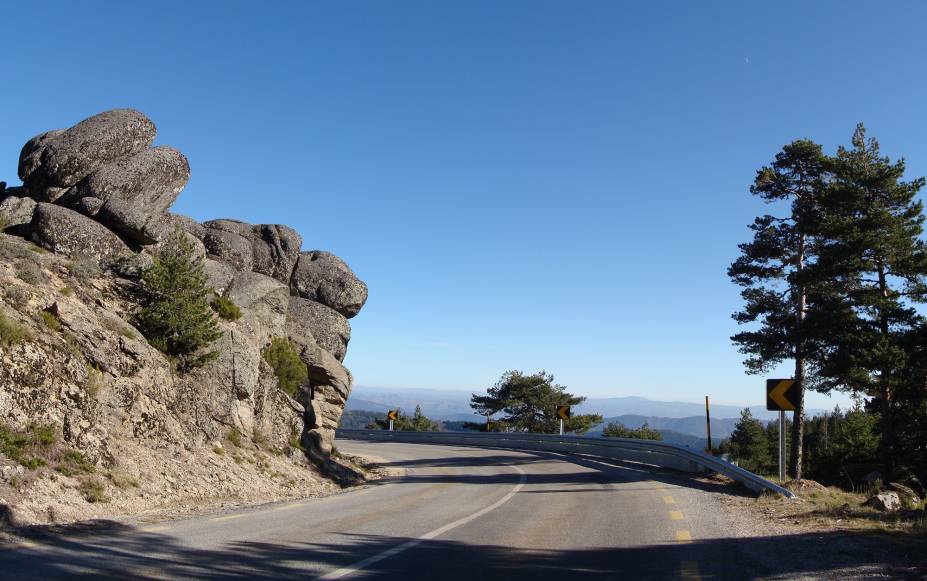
561,427
391,425
781,446
708,423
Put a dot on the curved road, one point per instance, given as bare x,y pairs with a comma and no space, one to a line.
451,513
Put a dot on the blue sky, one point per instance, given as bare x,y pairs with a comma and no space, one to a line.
528,185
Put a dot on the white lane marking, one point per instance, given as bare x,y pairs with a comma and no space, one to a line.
339,573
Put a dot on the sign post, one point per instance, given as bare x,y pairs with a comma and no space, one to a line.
563,412
392,415
781,395
708,423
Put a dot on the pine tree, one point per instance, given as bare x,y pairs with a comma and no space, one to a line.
748,443
771,270
176,317
878,264
529,404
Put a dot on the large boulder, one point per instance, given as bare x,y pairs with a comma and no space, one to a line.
16,212
888,501
219,275
135,192
325,278
274,247
276,250
229,247
65,231
51,162
310,321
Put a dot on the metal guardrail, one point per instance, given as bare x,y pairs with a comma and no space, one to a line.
650,452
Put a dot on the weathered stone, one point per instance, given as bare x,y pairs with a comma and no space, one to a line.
65,231
885,501
325,278
264,299
231,248
231,226
187,225
311,321
199,251
906,493
132,266
56,160
276,250
135,190
89,206
219,275
15,212
274,247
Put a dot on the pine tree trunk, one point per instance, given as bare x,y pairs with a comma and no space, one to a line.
798,416
885,392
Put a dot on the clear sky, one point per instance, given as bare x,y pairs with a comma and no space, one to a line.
530,184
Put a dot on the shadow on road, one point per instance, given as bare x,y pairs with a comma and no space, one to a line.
603,471
109,550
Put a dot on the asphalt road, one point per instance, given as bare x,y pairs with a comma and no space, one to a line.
455,513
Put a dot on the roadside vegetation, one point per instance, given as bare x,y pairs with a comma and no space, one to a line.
417,422
290,370
619,430
834,279
176,317
520,402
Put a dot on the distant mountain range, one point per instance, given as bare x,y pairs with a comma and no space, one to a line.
454,405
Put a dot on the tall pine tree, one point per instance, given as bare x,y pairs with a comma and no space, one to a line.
877,263
772,271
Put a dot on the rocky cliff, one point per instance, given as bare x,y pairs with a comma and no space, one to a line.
90,216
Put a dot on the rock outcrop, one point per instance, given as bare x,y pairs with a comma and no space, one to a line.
98,193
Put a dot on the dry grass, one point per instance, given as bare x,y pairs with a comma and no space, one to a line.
829,508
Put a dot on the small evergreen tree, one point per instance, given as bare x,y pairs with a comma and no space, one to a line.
748,443
619,430
529,404
418,422
176,317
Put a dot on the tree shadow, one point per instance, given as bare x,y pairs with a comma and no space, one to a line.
108,550
607,469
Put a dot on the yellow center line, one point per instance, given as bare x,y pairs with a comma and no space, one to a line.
676,515
668,500
683,535
28,544
288,507
229,517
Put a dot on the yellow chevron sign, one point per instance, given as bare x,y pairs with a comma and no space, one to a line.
782,394
392,415
563,412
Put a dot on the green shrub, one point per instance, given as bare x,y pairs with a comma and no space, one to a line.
30,273
83,270
93,491
18,445
235,437
282,356
17,296
66,291
176,318
43,434
226,309
73,463
122,480
11,332
50,320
